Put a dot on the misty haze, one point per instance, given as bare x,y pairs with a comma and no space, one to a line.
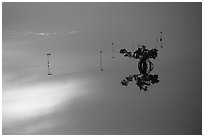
63,72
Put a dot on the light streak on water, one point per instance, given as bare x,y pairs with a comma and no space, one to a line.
30,102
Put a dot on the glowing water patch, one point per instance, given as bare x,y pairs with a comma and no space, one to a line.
37,100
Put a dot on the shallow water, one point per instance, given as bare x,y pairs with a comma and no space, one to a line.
98,104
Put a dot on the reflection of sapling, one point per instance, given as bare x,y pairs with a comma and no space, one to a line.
141,80
145,66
